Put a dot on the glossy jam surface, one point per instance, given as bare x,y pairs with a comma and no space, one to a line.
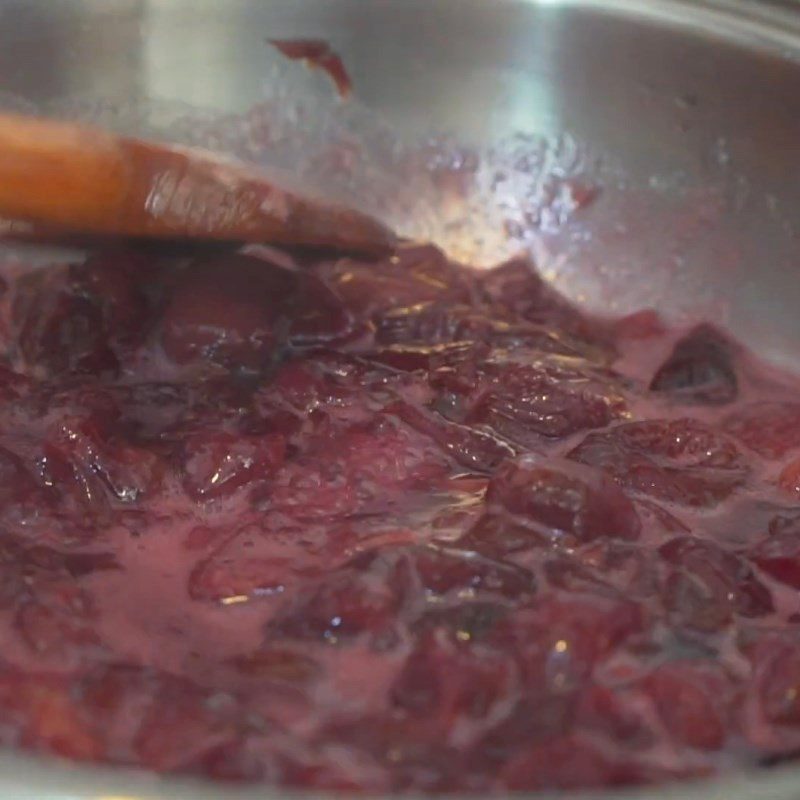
388,527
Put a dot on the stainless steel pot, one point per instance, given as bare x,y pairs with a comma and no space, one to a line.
485,124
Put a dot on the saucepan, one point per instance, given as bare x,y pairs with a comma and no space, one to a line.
645,152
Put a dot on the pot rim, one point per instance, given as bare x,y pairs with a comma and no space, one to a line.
770,24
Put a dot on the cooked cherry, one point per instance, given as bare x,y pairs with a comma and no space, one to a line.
563,498
337,609
680,461
442,681
472,448
779,557
60,330
709,585
528,403
699,370
228,311
694,702
218,465
770,428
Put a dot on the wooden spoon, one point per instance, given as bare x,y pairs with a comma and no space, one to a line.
60,177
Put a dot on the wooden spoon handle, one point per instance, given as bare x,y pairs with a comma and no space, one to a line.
61,175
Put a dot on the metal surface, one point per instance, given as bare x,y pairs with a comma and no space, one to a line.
683,116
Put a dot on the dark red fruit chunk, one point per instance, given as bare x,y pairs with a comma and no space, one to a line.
776,676
438,323
789,479
82,460
239,310
356,469
498,535
116,281
469,621
423,574
430,588
337,609
779,557
617,566
315,314
256,562
699,370
772,429
17,482
657,518
526,403
442,682
615,714
426,324
788,521
645,324
450,571
709,585
381,587
693,700
47,716
319,54
567,573
698,601
568,763
13,385
561,498
218,465
344,386
472,448
422,358
76,564
206,720
516,287
58,624
136,712
415,274
36,560
61,331
228,310
54,618
533,721
221,578
559,639
411,758
578,762
82,318
680,461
